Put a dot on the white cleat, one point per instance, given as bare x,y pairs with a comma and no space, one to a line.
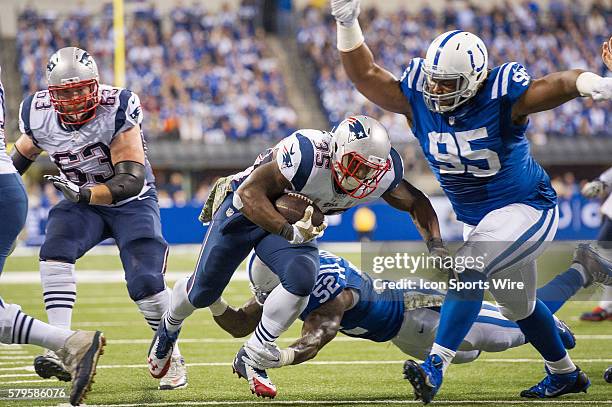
80,355
176,378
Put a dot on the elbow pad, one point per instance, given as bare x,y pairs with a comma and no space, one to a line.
21,162
128,180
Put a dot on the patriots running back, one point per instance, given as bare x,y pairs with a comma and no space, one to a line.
470,122
92,133
345,300
355,163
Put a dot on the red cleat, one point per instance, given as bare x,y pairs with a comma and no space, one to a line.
598,314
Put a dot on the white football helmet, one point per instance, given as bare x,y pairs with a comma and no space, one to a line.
73,80
360,155
456,58
261,279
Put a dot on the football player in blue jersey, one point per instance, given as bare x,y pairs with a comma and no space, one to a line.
470,122
92,133
334,171
78,351
349,301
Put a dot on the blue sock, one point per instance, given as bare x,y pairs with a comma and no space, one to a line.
540,330
560,289
459,311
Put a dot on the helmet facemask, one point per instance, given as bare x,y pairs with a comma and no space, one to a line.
448,101
357,176
76,102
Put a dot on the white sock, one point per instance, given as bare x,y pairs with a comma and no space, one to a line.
154,307
18,327
280,310
59,291
445,354
578,267
561,366
180,307
606,299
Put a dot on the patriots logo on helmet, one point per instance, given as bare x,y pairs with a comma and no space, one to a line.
86,59
356,130
287,162
134,115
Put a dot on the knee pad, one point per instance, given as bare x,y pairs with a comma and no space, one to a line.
144,261
300,275
517,311
60,250
8,312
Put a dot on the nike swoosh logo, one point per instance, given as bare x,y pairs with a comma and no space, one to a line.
549,393
142,198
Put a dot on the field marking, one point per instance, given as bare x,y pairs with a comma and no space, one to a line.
27,381
321,363
19,375
349,402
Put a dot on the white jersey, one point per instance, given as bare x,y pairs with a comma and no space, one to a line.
82,153
304,158
6,164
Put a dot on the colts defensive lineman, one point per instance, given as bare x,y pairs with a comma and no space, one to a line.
353,164
79,351
470,122
346,300
92,133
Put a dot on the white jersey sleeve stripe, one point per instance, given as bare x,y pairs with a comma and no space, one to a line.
412,71
418,74
506,77
495,89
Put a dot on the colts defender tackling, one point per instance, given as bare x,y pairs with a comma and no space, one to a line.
336,171
92,133
470,122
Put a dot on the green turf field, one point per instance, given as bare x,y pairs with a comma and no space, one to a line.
346,372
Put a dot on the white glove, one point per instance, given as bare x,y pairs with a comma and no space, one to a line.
269,356
593,189
304,231
345,11
594,86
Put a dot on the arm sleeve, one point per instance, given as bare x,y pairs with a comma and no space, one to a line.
295,158
129,112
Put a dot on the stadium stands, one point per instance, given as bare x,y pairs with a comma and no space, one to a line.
559,37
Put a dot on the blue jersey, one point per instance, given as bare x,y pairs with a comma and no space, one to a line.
480,158
377,316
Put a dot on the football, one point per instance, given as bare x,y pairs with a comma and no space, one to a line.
292,206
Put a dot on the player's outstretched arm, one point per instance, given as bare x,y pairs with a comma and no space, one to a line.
374,82
320,327
24,153
238,322
406,197
557,88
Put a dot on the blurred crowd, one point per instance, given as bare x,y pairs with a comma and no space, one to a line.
200,75
563,35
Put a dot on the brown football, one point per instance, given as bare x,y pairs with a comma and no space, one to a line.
292,206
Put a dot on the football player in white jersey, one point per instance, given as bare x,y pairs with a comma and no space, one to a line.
335,171
602,188
471,122
79,351
92,133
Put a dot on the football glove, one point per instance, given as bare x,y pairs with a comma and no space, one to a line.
593,189
71,191
345,11
269,356
304,231
441,255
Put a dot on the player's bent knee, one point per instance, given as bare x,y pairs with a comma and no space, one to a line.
300,276
517,312
145,284
61,251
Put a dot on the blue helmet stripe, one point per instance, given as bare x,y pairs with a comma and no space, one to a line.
443,43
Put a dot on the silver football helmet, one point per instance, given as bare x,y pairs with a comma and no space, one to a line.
360,155
261,279
73,81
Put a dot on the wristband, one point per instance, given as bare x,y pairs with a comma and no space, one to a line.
434,242
286,356
85,195
586,83
349,38
287,232
218,307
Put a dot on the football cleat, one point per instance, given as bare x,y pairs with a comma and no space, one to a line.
176,377
160,351
555,385
566,334
597,267
598,314
80,355
425,378
50,365
258,379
